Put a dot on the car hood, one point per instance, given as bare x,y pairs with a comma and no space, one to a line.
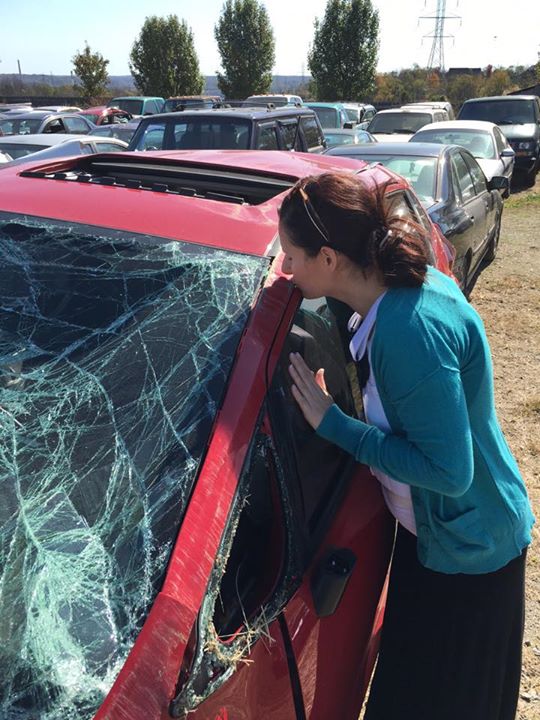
518,132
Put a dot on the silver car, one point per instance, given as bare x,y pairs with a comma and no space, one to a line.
484,140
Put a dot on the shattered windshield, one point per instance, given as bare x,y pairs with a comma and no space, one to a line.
115,350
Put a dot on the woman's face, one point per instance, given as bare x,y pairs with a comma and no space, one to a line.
307,273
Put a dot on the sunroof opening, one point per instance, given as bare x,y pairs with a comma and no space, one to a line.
196,180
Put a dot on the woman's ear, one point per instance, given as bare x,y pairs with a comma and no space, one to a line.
329,257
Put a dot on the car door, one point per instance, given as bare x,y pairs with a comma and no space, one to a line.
469,221
266,136
490,200
503,146
306,555
290,138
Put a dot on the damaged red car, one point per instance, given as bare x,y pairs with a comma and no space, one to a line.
174,539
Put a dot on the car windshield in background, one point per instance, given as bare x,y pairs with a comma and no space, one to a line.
421,172
327,116
20,127
114,356
399,122
479,144
135,107
341,138
502,112
192,133
17,150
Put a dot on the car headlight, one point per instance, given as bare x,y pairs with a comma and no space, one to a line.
525,145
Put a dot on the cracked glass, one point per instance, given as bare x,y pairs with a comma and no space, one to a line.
115,350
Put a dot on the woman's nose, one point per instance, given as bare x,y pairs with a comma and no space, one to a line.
286,266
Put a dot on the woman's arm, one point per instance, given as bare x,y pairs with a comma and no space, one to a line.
436,451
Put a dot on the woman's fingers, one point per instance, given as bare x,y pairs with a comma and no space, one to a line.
309,390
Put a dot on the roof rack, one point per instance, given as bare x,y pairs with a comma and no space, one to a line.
169,177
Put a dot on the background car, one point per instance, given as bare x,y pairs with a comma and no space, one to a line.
359,112
173,513
331,115
187,102
138,105
67,145
347,136
519,119
120,131
103,115
435,105
452,187
483,140
278,100
285,128
399,124
42,121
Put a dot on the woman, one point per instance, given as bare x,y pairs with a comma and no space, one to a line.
452,636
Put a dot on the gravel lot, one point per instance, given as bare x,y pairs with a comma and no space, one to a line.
507,296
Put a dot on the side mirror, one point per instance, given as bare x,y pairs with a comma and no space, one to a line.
499,182
508,152
348,125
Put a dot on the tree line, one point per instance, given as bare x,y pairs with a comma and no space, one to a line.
342,61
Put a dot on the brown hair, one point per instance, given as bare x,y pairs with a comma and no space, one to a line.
344,212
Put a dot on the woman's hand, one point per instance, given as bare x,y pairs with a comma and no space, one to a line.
309,390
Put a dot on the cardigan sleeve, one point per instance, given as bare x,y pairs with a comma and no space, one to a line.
436,451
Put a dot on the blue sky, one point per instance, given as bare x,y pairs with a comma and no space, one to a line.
45,34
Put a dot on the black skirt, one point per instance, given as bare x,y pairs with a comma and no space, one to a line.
450,644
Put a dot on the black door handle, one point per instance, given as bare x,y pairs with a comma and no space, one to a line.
330,579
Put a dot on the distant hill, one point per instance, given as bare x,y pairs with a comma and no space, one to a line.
280,83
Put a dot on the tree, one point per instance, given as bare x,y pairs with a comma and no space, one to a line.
163,60
343,57
246,44
91,69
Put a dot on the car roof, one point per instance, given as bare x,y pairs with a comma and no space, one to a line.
135,97
459,125
43,190
501,97
48,139
254,113
325,104
36,114
391,148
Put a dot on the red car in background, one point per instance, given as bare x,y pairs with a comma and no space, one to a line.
174,539
103,115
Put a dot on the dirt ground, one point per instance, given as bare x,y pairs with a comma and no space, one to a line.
507,296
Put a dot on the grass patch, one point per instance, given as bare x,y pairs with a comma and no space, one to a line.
523,200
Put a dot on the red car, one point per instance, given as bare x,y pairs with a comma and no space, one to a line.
175,541
102,115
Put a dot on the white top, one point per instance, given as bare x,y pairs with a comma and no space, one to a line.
396,494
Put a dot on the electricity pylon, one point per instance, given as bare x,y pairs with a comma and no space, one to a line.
436,56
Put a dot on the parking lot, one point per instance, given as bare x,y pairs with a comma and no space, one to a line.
507,295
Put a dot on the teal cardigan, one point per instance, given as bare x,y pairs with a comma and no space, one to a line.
432,367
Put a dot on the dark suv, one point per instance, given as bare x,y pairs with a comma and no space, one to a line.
519,118
286,128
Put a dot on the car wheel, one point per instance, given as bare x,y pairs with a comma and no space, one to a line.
494,242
